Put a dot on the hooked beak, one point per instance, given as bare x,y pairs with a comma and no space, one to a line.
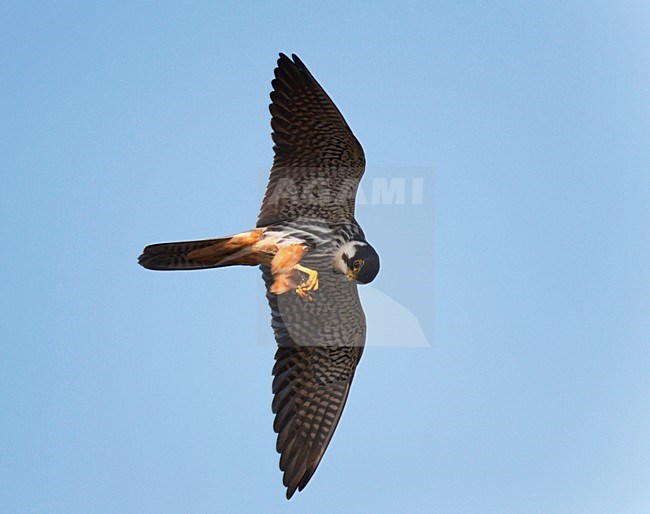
351,276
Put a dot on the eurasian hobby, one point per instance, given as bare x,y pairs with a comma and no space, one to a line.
312,253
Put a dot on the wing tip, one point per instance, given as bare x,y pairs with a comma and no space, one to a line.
298,483
298,62
283,59
293,62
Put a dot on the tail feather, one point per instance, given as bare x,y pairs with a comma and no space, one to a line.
207,253
176,256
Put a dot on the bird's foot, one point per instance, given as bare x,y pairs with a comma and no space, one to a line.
311,284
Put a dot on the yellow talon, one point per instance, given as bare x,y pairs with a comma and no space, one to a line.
311,284
303,294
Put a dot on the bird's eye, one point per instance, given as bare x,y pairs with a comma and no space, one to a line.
356,265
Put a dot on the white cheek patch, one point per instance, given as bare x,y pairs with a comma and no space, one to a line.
339,264
349,249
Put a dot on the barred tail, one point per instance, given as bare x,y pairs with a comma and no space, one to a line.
207,253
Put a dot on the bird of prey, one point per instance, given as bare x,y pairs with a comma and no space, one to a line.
312,253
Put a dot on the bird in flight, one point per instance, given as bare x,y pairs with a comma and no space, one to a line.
313,254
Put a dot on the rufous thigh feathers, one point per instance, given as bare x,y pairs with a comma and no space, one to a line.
282,268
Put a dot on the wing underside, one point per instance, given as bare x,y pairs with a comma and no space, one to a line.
319,346
318,161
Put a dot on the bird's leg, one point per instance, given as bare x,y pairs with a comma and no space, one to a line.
285,268
311,284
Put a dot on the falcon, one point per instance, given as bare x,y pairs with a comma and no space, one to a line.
313,254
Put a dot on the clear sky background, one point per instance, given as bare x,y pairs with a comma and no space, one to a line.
526,266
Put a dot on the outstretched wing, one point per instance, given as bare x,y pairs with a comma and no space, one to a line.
320,343
318,162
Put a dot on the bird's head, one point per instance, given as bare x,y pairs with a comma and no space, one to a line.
358,261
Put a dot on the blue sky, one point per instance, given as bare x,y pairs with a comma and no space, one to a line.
523,274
